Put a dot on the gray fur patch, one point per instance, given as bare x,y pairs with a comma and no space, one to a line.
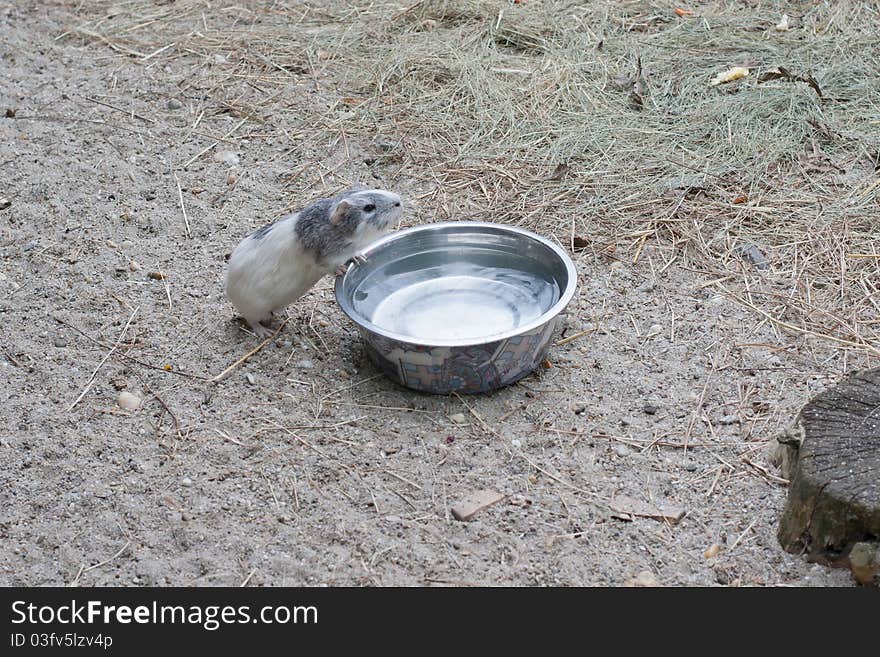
260,233
326,240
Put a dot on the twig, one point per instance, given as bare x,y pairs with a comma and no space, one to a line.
182,208
130,358
85,569
120,109
241,360
104,360
205,150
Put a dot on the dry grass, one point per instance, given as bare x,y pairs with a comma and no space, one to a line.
587,119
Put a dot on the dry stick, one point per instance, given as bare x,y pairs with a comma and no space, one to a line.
130,358
182,208
120,109
104,360
205,150
84,569
159,51
165,406
244,358
797,329
741,536
248,578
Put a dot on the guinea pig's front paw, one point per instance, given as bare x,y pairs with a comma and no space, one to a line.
341,269
360,259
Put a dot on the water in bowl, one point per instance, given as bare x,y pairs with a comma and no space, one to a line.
454,300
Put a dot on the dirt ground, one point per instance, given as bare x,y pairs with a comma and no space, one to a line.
306,466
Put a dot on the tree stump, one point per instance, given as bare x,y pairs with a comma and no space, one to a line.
832,456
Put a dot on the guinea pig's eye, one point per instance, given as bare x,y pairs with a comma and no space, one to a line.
369,208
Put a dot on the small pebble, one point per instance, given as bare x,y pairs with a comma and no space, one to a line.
458,418
578,408
60,342
250,378
644,579
654,329
650,409
174,104
691,467
134,266
186,481
220,59
305,364
728,419
516,442
128,401
228,157
4,203
622,451
712,551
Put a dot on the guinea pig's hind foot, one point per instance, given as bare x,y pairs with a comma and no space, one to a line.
259,329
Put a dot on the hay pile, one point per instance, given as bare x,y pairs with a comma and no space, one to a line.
591,121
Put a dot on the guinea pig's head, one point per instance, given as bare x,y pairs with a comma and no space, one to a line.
366,215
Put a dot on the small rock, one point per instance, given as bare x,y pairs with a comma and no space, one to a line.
4,202
712,551
474,503
231,179
655,329
250,378
228,157
174,104
186,481
644,579
650,409
220,59
864,561
458,418
60,341
10,113
519,500
305,364
134,266
516,442
622,451
578,408
751,253
691,467
128,401
728,419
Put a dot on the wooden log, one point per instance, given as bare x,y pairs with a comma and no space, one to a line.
833,459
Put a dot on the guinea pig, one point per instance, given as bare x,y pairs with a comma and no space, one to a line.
278,263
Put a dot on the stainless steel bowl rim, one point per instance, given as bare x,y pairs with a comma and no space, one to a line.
564,296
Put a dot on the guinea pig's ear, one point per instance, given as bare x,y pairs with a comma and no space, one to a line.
342,208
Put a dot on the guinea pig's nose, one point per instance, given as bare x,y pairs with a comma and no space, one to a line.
397,205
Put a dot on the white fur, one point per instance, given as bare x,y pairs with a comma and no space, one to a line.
267,274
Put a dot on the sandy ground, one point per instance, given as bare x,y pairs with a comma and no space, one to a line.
306,466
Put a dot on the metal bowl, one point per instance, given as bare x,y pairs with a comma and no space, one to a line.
459,306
